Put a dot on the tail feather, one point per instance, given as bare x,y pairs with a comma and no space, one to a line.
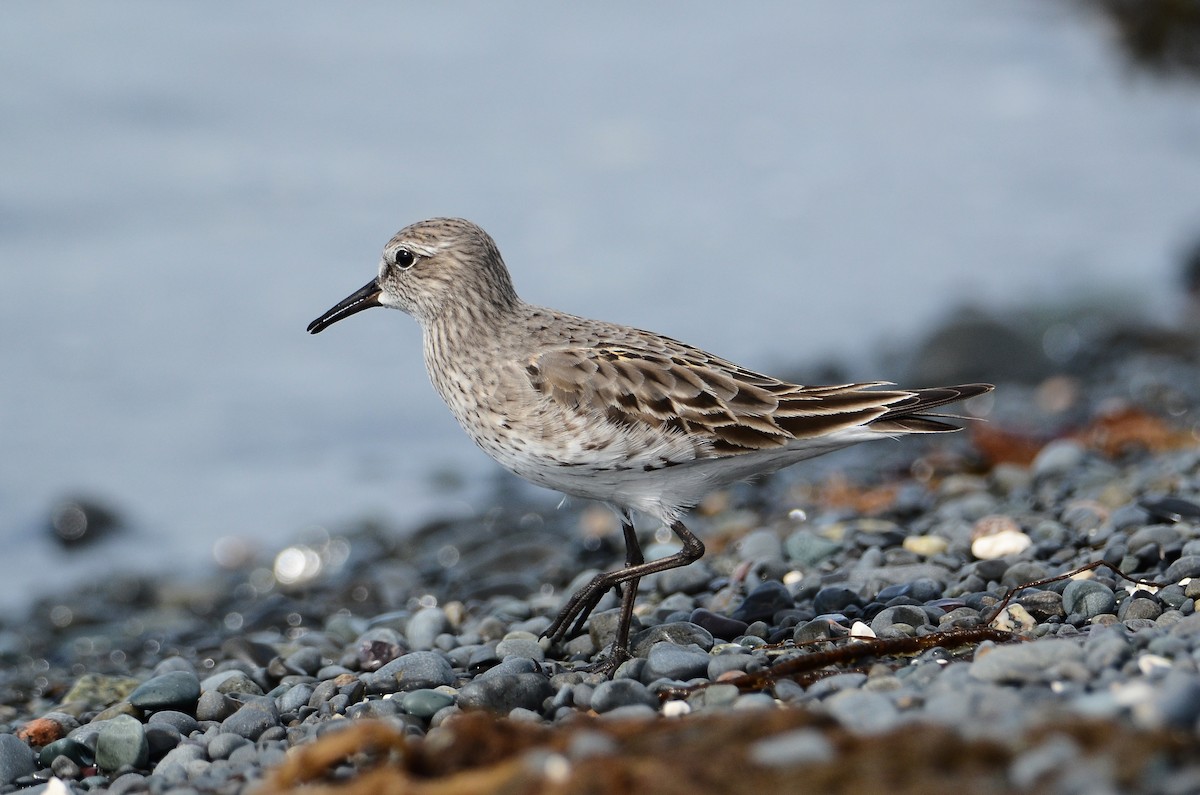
910,415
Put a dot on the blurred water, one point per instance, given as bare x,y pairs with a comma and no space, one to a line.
184,187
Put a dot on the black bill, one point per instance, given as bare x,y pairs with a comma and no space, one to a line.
364,298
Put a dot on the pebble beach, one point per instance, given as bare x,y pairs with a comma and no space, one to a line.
374,657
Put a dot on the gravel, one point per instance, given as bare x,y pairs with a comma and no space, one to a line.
154,684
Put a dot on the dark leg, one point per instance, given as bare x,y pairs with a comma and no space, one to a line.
633,557
573,616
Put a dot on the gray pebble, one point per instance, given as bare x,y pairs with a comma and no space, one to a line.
122,742
795,747
836,599
374,708
1186,566
680,633
174,766
127,783
863,711
417,670
215,706
1139,609
520,647
1088,598
1058,458
669,661
760,545
504,693
902,619
616,693
686,579
225,744
806,549
16,759
716,696
185,724
424,627
252,718
231,683
1041,661
173,690
425,703
295,697
718,626
161,737
764,602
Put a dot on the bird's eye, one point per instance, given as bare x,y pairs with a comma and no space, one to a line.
404,259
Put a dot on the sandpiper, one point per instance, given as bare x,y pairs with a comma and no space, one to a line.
641,422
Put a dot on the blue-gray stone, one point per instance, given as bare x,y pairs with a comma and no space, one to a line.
121,742
905,615
863,711
1088,598
680,633
764,602
424,627
795,747
297,696
16,759
835,599
717,625
520,647
69,747
252,718
425,703
161,737
225,744
505,692
1058,458
1186,566
374,708
616,693
185,724
669,661
176,690
1037,662
417,670
232,683
215,706
174,766
760,545
807,549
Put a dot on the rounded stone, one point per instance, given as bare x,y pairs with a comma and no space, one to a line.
680,633
417,670
669,661
425,703
520,647
71,748
16,759
176,690
807,549
503,693
121,742
614,693
252,718
185,724
1088,598
424,627
717,625
906,615
764,602
835,599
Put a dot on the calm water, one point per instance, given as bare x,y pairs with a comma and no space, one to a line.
183,190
